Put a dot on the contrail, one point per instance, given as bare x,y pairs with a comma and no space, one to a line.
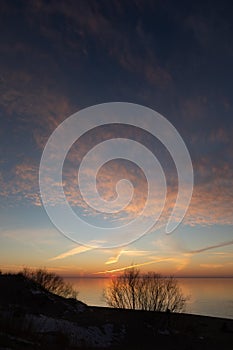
134,265
114,259
74,251
219,245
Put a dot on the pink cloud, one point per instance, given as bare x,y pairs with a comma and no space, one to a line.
211,202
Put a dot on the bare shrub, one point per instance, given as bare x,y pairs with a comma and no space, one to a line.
51,282
149,291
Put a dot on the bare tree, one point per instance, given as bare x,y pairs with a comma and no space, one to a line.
51,282
150,291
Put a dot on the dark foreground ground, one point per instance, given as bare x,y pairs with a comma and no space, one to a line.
31,318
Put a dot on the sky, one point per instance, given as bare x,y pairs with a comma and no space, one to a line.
60,57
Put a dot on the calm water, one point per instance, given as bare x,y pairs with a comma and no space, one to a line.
208,296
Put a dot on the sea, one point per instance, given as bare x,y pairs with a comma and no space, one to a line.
206,296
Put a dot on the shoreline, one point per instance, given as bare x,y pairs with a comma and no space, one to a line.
32,317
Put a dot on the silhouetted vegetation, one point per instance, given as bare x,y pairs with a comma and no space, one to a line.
51,282
149,291
32,318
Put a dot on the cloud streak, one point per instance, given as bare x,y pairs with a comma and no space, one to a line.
180,264
219,245
132,266
133,253
71,252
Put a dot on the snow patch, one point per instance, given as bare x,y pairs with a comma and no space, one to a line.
92,336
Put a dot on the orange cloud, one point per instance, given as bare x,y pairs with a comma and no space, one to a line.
133,253
210,204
